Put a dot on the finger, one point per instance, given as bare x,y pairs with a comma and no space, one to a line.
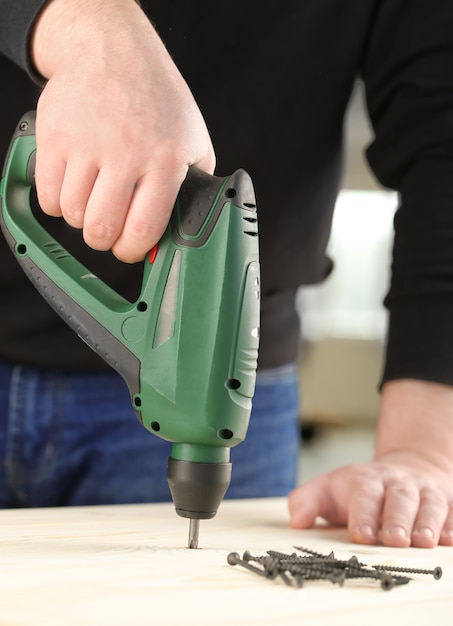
49,174
149,214
430,519
311,500
107,207
365,508
401,505
79,179
446,536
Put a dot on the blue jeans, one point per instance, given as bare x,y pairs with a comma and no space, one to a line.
73,439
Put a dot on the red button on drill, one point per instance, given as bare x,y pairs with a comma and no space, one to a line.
153,253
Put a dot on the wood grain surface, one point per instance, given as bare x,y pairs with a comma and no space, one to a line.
129,566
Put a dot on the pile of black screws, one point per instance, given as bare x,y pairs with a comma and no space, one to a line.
295,569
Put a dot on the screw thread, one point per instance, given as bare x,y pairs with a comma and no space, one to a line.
436,572
314,553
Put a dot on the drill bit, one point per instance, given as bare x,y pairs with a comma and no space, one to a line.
194,528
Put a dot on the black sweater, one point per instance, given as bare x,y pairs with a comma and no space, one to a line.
273,81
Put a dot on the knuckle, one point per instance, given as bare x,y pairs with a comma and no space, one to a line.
402,490
98,235
72,213
144,230
368,483
433,497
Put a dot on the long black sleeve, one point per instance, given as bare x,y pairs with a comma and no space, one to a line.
408,73
15,24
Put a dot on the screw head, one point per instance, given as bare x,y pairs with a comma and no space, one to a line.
386,582
233,558
437,573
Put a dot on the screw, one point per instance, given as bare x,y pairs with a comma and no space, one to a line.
320,559
321,573
234,559
314,553
386,582
247,556
285,578
317,571
401,580
299,580
436,572
23,126
353,562
286,557
361,572
270,565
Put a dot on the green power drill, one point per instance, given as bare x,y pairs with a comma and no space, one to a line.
188,347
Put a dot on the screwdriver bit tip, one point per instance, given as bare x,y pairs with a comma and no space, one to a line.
194,528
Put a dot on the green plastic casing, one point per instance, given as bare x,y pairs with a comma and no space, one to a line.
188,347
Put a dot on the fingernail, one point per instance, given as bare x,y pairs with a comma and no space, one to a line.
397,531
365,530
447,536
424,532
364,534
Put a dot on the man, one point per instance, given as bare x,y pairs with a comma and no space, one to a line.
116,120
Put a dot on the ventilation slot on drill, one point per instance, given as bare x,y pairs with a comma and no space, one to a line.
250,220
57,251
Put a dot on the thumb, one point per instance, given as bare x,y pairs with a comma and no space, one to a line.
311,500
308,501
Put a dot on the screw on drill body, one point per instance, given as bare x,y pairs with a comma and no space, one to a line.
436,572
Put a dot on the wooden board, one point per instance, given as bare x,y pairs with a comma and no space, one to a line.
129,566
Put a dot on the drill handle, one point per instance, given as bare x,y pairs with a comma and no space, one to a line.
67,286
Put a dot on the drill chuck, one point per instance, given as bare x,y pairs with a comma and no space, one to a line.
198,488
